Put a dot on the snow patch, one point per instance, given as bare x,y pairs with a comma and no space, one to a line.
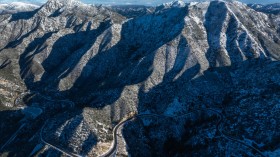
176,3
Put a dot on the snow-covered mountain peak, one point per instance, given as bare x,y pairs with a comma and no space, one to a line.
176,3
54,6
17,7
63,3
22,4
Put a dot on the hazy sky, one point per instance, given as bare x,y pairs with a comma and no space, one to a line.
146,2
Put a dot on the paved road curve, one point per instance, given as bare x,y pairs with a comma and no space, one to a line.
219,128
113,148
54,147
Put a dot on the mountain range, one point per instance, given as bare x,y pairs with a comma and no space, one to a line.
70,72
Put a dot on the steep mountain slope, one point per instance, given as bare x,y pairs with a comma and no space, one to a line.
273,10
87,67
270,8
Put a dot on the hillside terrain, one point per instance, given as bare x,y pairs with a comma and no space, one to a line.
207,73
269,8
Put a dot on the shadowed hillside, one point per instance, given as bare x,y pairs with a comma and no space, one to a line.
70,72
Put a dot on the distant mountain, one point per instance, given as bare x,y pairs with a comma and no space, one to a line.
16,7
273,10
70,72
270,8
132,11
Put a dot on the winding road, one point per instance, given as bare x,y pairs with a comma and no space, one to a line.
55,147
219,128
113,149
114,145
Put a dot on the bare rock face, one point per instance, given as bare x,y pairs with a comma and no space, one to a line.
76,61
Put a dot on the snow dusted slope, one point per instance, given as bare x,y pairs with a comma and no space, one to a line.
186,55
176,3
210,34
270,8
131,11
17,7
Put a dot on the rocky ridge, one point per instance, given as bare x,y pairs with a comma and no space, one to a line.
88,66
16,7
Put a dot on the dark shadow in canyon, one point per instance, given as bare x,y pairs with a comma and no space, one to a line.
105,73
5,63
24,15
216,87
19,38
103,77
214,20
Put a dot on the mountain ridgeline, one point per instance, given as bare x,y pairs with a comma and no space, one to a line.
118,60
70,47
